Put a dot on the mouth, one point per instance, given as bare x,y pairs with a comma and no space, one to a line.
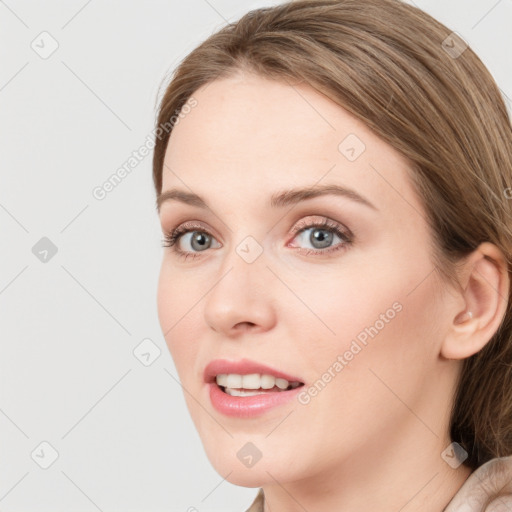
248,378
246,388
253,384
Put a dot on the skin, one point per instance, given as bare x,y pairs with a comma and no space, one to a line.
372,438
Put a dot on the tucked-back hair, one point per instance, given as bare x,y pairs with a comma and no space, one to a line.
412,82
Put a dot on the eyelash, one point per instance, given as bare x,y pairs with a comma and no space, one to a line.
171,239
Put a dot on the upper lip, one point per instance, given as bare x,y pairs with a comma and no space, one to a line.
243,367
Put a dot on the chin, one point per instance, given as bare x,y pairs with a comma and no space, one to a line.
229,462
245,478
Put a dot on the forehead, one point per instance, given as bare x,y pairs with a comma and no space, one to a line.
247,116
257,135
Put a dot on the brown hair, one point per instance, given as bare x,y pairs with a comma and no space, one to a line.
414,83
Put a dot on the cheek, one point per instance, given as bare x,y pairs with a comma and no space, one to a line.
377,315
357,375
177,317
335,305
166,300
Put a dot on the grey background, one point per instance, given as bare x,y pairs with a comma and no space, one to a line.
69,325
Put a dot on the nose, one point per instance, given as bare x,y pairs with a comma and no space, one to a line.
241,297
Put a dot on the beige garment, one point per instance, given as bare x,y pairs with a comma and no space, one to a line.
257,504
487,489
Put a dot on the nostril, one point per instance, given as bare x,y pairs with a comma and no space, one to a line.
244,325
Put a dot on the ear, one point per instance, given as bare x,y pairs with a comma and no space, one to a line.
485,285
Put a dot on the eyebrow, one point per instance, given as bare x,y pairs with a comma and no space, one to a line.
277,200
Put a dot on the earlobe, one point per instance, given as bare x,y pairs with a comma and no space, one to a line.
485,296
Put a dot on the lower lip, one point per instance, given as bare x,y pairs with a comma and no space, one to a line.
248,406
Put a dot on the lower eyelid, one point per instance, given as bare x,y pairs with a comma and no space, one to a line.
341,245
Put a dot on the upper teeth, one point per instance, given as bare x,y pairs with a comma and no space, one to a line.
252,381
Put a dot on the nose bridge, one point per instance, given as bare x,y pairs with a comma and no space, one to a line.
240,293
245,264
241,271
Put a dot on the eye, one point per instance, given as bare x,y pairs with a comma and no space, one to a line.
320,235
194,234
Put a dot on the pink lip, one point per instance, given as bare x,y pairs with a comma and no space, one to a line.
243,367
248,406
245,406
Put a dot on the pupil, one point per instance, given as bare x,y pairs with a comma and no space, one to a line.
200,238
324,240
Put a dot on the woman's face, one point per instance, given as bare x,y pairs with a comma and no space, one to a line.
354,310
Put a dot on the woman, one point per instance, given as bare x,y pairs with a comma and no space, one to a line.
335,285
